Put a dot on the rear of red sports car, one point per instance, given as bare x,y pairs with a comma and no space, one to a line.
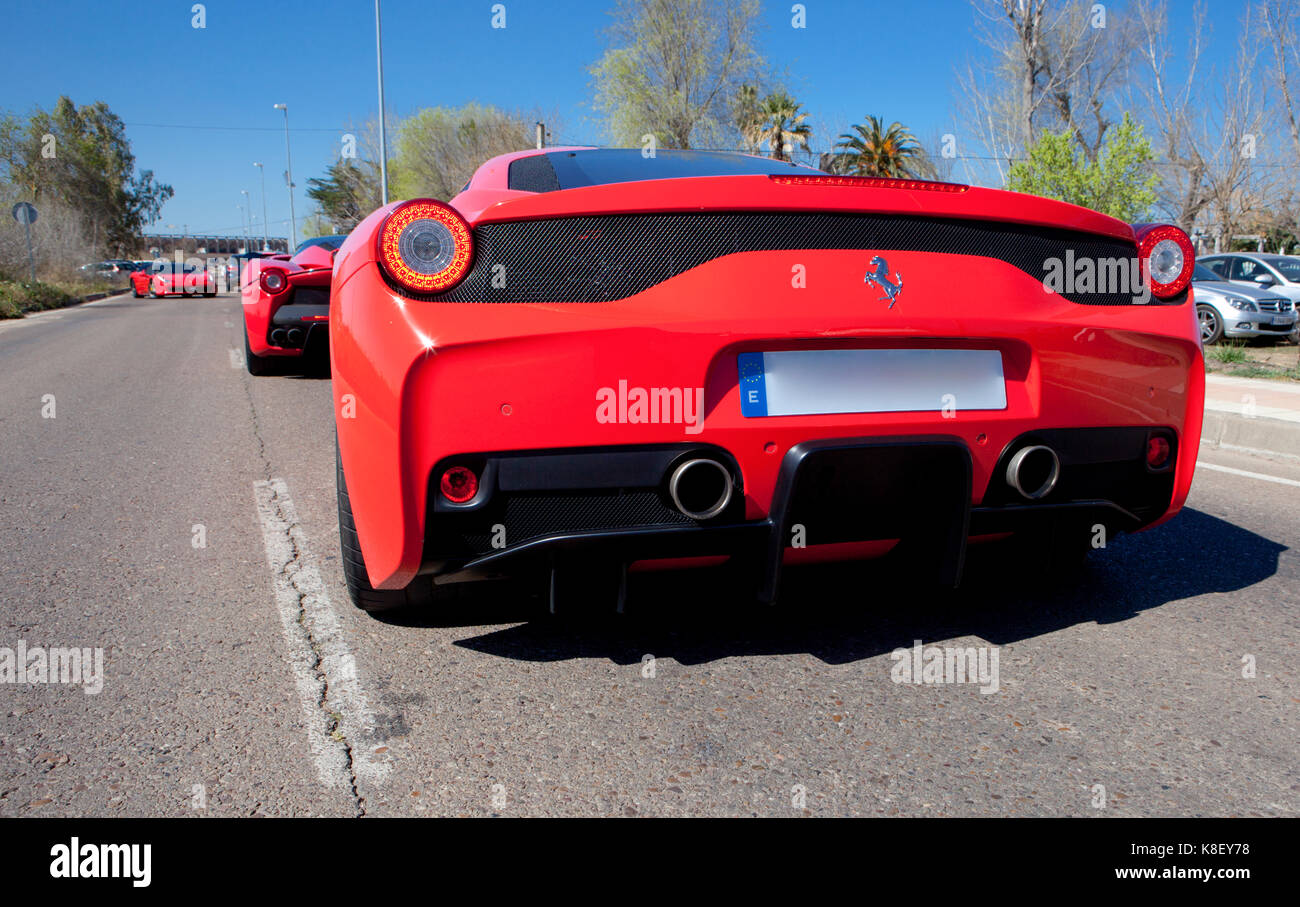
286,304
595,357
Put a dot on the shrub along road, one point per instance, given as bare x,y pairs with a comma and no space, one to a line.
179,515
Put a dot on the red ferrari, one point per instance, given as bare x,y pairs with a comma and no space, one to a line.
286,303
172,278
590,358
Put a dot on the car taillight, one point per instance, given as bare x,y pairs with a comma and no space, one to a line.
459,484
425,246
274,281
1167,258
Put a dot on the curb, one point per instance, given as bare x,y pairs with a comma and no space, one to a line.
1256,434
93,297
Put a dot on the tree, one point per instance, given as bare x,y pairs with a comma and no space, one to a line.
439,148
871,149
1119,182
747,116
346,194
1210,125
81,157
781,125
1050,66
675,68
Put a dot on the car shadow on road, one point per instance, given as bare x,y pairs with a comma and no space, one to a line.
844,613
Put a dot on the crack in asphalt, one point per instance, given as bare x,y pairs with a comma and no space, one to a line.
331,718
324,670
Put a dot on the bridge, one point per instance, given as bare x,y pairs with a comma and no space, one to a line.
166,244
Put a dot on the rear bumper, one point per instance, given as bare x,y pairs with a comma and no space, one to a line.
418,384
541,508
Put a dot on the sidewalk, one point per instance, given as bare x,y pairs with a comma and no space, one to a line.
1252,414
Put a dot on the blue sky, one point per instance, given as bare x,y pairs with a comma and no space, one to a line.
151,66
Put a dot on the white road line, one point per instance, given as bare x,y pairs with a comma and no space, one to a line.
323,667
1201,464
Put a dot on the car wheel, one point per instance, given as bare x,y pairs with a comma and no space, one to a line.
257,365
1211,324
420,592
136,293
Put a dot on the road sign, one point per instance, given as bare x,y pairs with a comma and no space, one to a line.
25,214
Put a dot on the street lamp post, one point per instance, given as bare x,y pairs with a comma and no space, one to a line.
248,201
383,136
288,178
266,239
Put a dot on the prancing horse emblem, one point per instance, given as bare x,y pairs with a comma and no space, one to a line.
880,278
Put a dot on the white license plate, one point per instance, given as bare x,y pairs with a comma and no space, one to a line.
824,382
1283,319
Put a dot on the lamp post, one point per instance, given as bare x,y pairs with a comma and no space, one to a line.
383,136
266,240
288,178
248,202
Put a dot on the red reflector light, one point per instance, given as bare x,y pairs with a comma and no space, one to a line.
425,246
870,182
459,485
315,318
1157,451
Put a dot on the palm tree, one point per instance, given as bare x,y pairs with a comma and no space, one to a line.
747,112
872,150
781,125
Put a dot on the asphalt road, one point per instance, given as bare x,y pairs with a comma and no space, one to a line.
179,514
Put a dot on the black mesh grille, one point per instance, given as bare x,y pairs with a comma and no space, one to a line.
601,258
531,516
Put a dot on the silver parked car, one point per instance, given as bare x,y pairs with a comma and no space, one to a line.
1227,309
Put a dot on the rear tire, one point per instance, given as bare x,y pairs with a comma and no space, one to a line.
421,591
257,365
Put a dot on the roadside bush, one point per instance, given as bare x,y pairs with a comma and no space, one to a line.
16,298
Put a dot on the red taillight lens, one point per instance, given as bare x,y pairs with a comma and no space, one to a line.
426,246
870,182
274,281
1167,257
1157,451
459,484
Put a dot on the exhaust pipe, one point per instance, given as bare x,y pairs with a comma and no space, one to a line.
1033,471
295,336
701,488
278,337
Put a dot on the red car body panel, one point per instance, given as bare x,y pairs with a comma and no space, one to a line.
309,268
417,381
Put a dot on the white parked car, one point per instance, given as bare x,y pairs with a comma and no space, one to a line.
1227,309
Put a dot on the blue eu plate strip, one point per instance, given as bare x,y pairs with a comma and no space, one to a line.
753,386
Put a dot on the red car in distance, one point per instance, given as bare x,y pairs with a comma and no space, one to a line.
171,278
592,361
286,304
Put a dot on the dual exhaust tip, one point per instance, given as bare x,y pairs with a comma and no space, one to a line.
289,337
700,488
